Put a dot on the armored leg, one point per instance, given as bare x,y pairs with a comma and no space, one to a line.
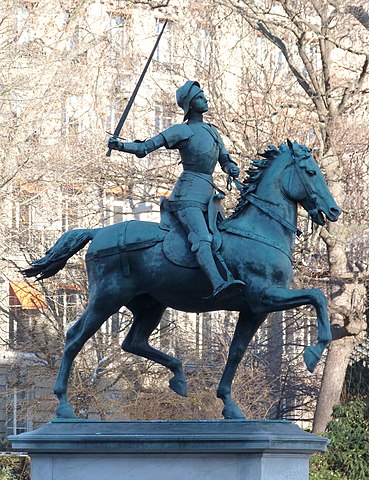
194,223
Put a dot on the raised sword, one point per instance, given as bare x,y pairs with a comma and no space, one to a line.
133,96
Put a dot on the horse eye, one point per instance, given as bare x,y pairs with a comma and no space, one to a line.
312,173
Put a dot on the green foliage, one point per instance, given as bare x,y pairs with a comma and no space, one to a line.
347,457
14,467
320,470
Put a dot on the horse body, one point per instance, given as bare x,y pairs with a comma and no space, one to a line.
257,244
188,289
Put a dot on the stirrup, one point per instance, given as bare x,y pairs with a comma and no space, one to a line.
228,289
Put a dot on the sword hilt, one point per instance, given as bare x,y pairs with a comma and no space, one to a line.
113,135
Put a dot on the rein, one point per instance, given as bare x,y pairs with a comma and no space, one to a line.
260,204
239,232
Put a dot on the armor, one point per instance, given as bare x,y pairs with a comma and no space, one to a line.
201,148
192,189
185,94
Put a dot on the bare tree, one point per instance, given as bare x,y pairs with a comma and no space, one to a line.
73,83
325,45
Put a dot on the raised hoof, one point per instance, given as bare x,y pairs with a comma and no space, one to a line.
178,386
65,410
233,413
311,358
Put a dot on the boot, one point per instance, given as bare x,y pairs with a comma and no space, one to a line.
221,288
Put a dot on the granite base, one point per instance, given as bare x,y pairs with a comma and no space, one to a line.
169,450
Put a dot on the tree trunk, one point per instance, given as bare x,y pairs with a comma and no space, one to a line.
347,305
333,378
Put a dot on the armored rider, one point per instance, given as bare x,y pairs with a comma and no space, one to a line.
200,147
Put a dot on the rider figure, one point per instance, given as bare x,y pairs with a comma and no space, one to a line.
200,147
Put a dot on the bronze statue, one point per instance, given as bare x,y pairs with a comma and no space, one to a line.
200,147
128,264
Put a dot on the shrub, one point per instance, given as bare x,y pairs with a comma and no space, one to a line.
14,467
347,457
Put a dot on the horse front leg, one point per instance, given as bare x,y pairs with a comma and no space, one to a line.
246,327
277,299
147,314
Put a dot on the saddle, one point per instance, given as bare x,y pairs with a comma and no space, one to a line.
137,235
176,246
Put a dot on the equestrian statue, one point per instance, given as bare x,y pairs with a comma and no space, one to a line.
195,260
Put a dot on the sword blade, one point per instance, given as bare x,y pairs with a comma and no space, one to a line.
133,96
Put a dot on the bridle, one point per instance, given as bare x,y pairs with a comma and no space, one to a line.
312,212
263,205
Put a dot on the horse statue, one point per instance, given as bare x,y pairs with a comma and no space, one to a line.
256,242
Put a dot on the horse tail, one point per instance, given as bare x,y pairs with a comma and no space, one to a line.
56,258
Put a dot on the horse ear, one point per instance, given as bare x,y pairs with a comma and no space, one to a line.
290,145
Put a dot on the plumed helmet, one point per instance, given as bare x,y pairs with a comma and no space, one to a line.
185,94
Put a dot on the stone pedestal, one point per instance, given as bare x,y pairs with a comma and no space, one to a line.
169,450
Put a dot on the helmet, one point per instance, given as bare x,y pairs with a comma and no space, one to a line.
185,94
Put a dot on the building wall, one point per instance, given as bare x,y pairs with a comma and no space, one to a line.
68,74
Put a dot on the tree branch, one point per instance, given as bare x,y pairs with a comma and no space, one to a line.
360,14
355,87
282,46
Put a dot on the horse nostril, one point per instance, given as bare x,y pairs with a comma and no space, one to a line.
335,212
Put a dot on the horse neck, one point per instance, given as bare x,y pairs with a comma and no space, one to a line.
269,190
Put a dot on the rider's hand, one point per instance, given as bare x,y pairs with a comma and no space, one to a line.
115,144
233,170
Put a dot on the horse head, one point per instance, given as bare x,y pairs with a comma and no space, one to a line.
305,184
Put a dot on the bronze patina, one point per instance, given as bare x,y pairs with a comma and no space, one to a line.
242,263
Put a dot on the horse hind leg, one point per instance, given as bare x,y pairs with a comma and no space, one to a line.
85,327
147,314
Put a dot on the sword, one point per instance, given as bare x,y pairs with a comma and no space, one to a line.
133,96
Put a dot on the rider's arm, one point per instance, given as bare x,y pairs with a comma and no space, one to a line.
169,138
226,162
229,165
140,149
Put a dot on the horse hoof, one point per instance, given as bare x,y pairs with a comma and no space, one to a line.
233,413
178,386
65,410
311,359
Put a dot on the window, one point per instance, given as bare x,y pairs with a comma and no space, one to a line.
66,304
121,92
164,117
312,53
202,46
117,205
70,214
18,413
118,35
118,212
15,312
74,118
20,25
115,325
280,61
23,212
115,111
26,207
25,302
165,49
74,40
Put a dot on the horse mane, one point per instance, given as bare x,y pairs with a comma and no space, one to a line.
250,183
